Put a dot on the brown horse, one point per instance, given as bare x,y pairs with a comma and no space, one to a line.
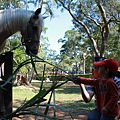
28,23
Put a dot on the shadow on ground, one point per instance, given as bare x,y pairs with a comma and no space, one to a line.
60,111
72,110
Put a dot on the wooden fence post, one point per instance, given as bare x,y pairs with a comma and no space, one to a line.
6,62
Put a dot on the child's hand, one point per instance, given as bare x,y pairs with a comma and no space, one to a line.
104,110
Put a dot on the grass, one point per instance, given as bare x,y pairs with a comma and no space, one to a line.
68,96
22,93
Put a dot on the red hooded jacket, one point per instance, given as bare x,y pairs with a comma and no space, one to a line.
106,93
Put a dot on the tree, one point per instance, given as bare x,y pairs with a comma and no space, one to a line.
93,18
10,4
73,50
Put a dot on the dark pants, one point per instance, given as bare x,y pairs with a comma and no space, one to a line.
106,118
96,115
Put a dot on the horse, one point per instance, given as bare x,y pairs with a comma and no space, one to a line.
28,23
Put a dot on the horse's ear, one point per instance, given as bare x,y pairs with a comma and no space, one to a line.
38,11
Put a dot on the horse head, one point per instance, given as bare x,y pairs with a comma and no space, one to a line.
32,32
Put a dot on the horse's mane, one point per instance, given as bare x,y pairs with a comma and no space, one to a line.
12,21
13,17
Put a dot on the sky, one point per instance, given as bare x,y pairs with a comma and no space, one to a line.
57,27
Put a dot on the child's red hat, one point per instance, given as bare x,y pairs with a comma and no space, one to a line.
111,64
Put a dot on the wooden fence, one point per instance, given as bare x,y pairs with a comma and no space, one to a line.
6,66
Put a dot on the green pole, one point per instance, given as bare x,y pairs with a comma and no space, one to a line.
54,102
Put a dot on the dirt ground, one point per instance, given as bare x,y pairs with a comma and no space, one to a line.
60,114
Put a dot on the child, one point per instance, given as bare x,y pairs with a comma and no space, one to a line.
88,92
105,87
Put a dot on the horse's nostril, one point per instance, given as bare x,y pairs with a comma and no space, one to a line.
35,51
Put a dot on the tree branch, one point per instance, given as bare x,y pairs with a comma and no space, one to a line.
84,26
105,28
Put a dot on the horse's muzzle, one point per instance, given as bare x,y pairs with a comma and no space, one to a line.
34,51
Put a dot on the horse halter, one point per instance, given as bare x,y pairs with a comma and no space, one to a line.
29,39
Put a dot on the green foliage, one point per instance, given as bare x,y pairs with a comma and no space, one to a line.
90,34
89,21
11,3
39,97
19,53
